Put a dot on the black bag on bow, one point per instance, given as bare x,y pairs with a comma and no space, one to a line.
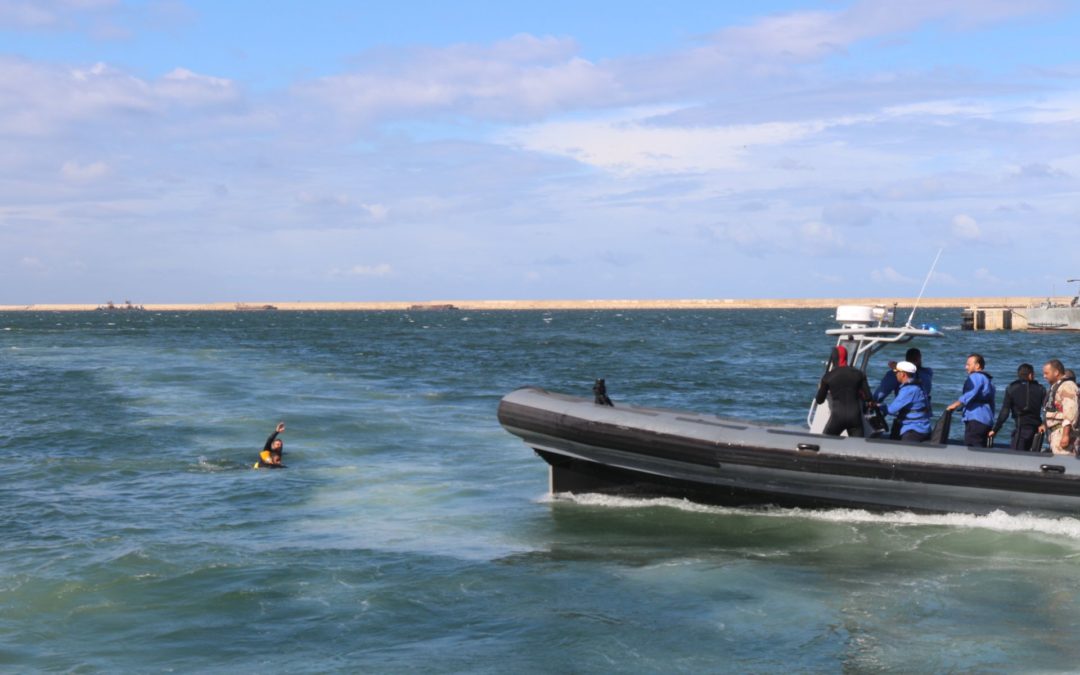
940,434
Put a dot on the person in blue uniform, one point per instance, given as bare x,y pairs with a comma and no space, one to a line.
1023,401
910,407
977,400
273,449
890,385
848,392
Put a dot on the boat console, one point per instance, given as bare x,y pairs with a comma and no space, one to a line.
864,331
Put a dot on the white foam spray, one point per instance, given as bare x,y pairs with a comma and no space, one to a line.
997,521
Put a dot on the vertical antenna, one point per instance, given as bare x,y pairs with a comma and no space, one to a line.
923,290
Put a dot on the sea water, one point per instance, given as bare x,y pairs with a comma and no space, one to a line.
411,533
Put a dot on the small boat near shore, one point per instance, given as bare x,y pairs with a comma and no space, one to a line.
593,446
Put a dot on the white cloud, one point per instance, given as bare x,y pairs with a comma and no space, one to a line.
849,214
944,278
98,19
628,143
48,13
380,270
942,108
890,275
378,212
965,227
181,85
812,35
310,199
1039,171
522,77
341,204
526,77
819,234
833,279
747,237
1058,107
82,173
44,100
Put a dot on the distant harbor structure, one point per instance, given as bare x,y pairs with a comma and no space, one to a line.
1046,316
993,318
242,307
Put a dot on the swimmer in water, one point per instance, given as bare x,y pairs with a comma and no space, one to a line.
270,457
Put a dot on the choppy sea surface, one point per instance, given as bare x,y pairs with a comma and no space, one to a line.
411,533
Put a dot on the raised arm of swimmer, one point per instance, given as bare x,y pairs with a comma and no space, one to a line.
272,449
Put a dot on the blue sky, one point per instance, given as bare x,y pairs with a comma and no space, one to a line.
172,151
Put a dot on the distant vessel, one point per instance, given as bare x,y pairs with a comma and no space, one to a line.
242,307
126,307
432,308
592,445
1055,316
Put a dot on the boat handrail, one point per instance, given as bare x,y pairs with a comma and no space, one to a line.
897,333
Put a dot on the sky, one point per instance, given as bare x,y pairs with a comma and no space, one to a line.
198,151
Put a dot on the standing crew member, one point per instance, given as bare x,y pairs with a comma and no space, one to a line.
270,457
1061,409
911,407
849,389
977,400
1023,400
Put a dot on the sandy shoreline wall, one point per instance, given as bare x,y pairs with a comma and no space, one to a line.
483,305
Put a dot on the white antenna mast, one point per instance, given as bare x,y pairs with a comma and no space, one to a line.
923,290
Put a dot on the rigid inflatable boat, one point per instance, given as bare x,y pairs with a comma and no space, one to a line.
593,446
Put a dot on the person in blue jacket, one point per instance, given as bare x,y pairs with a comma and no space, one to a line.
911,406
890,385
977,400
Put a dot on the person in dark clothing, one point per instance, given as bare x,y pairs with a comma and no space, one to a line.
270,457
1024,401
847,389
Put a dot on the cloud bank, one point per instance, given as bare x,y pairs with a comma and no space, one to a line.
786,155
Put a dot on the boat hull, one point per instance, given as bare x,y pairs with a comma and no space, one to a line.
1053,318
630,450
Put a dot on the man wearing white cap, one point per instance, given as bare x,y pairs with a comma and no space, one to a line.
911,408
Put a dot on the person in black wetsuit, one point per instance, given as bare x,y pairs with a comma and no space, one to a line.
848,390
270,457
1024,401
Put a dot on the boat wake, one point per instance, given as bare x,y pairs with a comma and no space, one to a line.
997,521
207,465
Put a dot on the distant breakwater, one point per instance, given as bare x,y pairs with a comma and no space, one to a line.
624,304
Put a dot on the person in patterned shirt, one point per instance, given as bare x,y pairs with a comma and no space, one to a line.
1061,409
